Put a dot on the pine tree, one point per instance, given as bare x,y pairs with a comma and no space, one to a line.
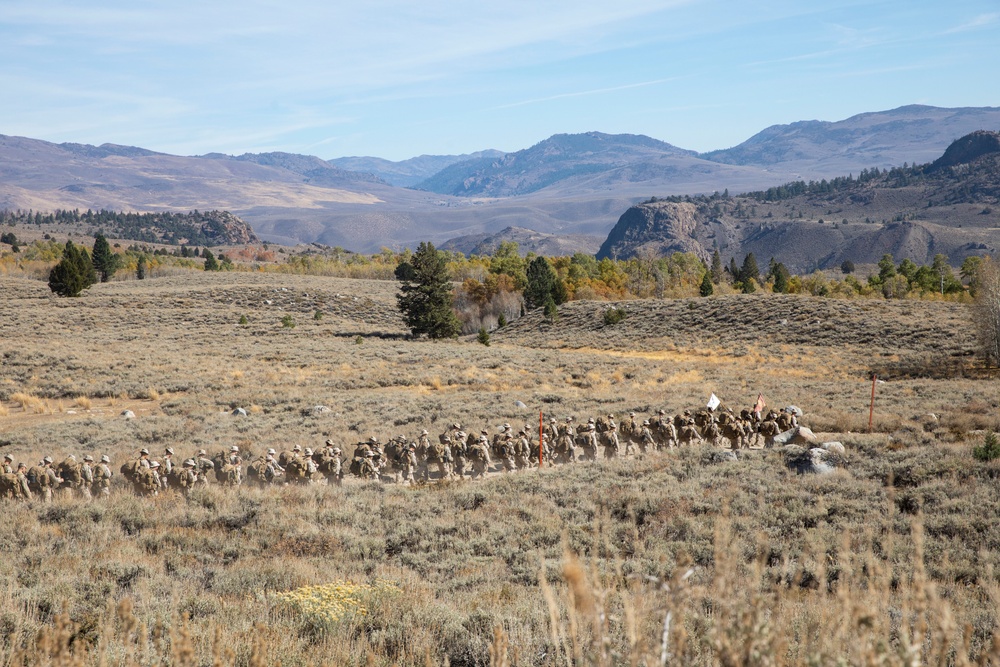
210,262
140,268
425,300
717,269
734,271
706,285
749,271
74,272
105,261
541,283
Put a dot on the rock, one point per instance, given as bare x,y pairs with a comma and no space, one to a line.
795,410
128,414
835,447
239,412
800,435
815,461
519,404
722,456
320,409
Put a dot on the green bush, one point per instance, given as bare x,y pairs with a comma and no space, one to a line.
483,337
613,316
288,322
989,450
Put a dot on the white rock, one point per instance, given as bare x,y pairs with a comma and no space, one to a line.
128,414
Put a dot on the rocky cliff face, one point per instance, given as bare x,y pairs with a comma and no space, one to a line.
226,229
661,228
970,147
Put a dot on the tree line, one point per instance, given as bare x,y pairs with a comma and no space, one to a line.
193,228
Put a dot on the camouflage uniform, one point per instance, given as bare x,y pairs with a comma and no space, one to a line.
479,454
102,477
204,466
646,439
53,480
22,481
407,463
588,441
423,452
507,453
459,454
522,451
87,476
8,464
565,447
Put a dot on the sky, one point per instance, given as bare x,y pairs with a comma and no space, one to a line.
401,78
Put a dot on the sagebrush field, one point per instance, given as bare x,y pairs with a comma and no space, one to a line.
671,558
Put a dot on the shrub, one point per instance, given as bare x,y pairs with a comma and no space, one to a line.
287,322
613,316
483,337
989,450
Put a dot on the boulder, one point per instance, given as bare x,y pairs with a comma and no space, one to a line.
239,412
519,404
320,409
794,409
128,414
721,456
799,435
815,461
835,447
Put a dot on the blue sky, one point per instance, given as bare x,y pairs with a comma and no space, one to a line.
395,78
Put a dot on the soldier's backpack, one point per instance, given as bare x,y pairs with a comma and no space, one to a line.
9,488
479,453
71,473
286,456
129,469
177,478
144,480
435,453
37,479
297,469
256,471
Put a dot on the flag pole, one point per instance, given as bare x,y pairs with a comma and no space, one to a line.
871,407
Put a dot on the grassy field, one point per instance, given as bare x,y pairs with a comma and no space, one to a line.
670,558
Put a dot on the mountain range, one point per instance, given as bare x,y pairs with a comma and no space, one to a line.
565,186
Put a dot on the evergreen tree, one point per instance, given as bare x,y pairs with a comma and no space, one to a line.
74,272
105,261
749,271
717,269
706,285
847,266
425,300
780,279
140,268
542,282
210,262
734,271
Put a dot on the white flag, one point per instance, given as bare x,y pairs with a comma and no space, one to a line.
713,402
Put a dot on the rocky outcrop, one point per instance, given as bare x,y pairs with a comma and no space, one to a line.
224,228
970,147
659,227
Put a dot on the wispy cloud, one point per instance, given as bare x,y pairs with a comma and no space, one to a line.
981,21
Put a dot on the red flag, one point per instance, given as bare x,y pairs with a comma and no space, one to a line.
760,404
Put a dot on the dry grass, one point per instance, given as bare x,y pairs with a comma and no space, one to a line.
891,560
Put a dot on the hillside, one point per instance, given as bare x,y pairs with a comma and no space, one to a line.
566,185
405,173
560,157
528,240
739,547
816,149
915,212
